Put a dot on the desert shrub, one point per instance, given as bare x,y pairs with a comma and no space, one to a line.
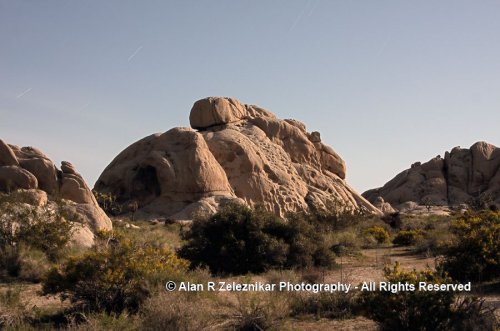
258,311
418,310
474,254
277,276
172,311
239,240
480,202
393,220
234,240
114,276
30,237
108,202
346,242
470,313
435,241
13,312
378,233
312,276
46,228
408,237
10,262
306,244
22,263
326,305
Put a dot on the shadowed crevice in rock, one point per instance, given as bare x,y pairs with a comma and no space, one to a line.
145,185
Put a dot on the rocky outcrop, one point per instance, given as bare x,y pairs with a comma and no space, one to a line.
236,153
460,177
383,206
31,171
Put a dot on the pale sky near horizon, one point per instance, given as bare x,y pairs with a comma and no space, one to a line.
387,83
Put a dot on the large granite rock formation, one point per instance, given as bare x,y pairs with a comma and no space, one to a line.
460,177
237,153
30,170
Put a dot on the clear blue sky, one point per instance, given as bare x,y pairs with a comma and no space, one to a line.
386,83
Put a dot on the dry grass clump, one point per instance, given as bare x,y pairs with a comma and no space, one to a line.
105,322
258,311
176,311
336,305
187,312
12,311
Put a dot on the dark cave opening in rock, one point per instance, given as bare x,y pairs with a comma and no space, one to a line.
145,186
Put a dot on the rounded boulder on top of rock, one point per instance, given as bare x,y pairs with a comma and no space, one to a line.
214,111
68,168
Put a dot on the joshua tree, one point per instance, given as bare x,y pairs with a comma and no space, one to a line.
427,202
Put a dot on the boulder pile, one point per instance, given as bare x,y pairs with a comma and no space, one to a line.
28,170
232,152
462,177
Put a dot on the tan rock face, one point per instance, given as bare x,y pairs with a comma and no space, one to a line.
164,173
383,206
240,153
7,156
30,170
215,111
463,174
13,177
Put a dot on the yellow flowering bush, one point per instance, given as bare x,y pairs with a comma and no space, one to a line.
117,275
408,237
474,255
378,233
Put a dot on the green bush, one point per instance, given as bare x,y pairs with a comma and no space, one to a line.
346,242
116,275
108,203
408,237
423,310
22,263
238,240
474,255
45,228
380,234
435,242
31,237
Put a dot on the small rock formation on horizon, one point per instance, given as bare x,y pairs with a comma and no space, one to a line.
233,152
457,179
29,170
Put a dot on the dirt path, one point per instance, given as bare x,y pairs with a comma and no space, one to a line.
369,267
